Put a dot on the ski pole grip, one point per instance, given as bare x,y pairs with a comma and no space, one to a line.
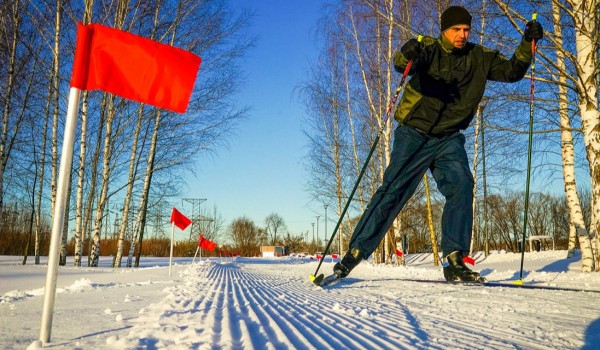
534,42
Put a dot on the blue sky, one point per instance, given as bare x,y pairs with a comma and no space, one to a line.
261,172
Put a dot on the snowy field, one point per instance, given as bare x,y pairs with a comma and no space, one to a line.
256,303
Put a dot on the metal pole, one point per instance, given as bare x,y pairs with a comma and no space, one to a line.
171,251
529,151
66,161
318,230
325,233
485,206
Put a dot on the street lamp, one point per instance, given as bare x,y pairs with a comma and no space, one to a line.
313,225
318,216
325,240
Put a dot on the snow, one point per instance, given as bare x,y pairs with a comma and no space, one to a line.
269,303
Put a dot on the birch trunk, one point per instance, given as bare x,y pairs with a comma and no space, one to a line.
5,145
55,113
141,217
62,261
79,236
586,37
432,234
478,127
357,166
94,182
40,191
32,215
576,220
387,140
107,154
120,15
128,195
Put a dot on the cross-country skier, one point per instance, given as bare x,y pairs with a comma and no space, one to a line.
448,80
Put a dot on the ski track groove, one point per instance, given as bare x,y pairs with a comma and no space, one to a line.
363,336
270,295
233,306
270,332
282,330
264,291
477,333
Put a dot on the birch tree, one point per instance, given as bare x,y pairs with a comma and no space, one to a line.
121,12
79,209
568,149
584,82
10,125
584,14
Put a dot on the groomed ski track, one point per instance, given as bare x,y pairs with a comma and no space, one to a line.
254,304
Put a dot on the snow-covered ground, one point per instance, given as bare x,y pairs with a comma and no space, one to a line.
256,303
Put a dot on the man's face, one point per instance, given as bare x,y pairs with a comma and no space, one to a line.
458,35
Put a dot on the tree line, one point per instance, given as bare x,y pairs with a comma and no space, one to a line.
349,89
130,158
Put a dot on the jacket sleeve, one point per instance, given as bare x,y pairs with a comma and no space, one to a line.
511,70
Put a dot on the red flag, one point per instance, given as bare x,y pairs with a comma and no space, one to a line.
133,67
334,256
179,219
469,260
206,244
399,253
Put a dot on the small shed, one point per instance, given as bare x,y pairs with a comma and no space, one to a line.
271,251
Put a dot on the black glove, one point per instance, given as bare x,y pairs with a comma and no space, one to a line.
411,49
533,30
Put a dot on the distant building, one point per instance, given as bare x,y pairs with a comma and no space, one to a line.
271,251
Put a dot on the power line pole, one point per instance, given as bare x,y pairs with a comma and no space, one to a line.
195,215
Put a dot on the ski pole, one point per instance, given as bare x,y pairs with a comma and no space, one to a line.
529,147
364,168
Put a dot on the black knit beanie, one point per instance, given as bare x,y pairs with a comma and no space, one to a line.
455,15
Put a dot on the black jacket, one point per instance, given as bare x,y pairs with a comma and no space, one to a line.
448,83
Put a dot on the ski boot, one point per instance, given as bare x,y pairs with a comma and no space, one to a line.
456,270
349,261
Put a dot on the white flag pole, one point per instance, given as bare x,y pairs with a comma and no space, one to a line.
66,161
195,254
171,254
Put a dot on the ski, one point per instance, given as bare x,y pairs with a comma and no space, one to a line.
322,281
507,284
333,279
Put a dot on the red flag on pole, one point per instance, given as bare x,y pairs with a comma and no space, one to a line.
206,244
399,253
133,67
179,219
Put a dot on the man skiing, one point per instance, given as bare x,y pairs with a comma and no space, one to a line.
449,75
